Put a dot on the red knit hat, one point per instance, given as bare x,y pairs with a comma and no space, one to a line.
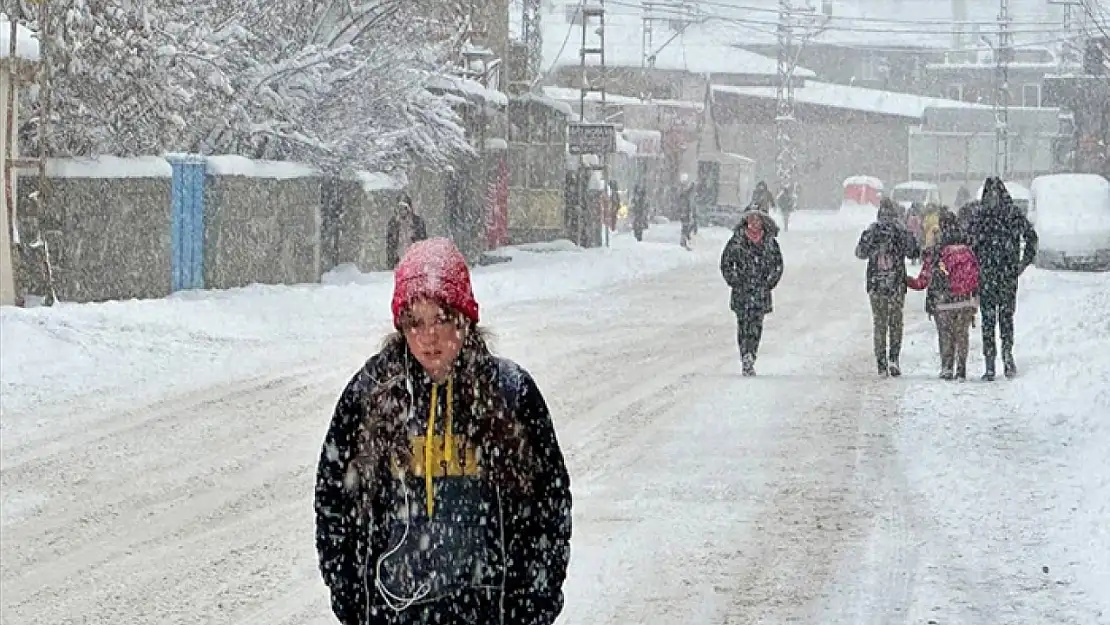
433,269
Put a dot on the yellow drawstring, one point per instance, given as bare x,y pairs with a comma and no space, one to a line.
448,442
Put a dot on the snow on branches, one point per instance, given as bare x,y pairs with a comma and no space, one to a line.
336,83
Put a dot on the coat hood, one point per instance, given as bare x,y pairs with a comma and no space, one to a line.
992,187
770,228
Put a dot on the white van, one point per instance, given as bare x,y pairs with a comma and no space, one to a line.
1071,213
906,193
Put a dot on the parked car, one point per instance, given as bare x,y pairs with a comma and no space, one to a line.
1072,215
924,193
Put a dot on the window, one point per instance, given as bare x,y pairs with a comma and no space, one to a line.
954,92
1030,96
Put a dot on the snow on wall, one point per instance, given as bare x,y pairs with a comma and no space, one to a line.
26,43
231,165
109,167
372,181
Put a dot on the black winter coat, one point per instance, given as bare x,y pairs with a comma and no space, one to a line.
472,553
752,270
886,244
997,231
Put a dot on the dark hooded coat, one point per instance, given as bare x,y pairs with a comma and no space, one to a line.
1002,238
752,270
885,245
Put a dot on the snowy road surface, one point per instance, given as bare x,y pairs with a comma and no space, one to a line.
813,494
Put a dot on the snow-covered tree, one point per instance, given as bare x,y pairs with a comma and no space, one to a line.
338,83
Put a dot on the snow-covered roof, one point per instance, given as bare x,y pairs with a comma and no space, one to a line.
916,184
564,94
888,23
26,42
869,181
468,87
545,100
702,48
373,181
856,98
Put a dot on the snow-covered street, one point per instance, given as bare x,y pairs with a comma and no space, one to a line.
158,457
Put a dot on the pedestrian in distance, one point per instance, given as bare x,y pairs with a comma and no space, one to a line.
950,277
885,245
752,266
442,497
402,230
1005,243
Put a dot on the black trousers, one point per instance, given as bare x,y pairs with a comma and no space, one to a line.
749,332
998,309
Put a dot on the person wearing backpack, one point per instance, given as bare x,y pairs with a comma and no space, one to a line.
885,245
950,277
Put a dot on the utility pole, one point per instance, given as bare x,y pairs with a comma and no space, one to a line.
785,161
1003,56
1067,47
532,35
591,10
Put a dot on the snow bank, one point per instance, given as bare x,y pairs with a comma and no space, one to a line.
109,167
1015,473
232,165
26,42
194,339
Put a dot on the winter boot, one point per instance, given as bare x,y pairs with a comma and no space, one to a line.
988,374
946,374
961,371
1009,369
749,365
883,367
894,369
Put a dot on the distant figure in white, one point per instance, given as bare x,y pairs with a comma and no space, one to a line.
404,229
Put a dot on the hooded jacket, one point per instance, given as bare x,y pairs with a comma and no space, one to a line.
885,245
1002,238
467,550
752,270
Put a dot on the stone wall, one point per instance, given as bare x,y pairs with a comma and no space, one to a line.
108,230
261,229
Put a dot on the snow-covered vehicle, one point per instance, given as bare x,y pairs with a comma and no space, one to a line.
861,198
1019,193
1071,213
920,191
724,187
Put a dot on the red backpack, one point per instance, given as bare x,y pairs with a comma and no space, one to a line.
959,268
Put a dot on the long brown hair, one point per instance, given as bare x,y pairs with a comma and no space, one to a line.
507,458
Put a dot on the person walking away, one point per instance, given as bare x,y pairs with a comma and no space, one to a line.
916,225
639,211
1005,243
762,197
930,225
965,213
442,497
404,228
686,211
786,203
752,266
885,245
950,277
